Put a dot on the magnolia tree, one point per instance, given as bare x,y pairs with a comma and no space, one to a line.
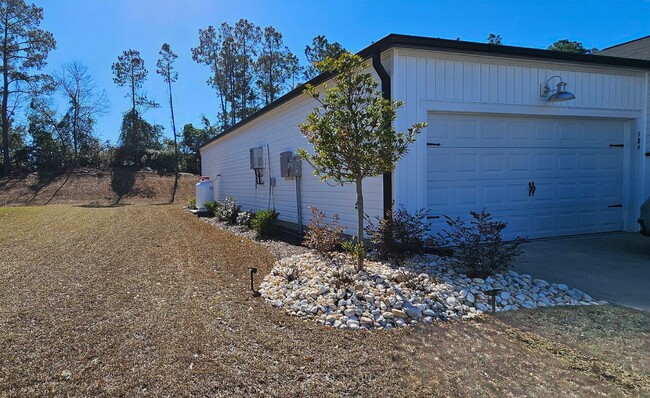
352,131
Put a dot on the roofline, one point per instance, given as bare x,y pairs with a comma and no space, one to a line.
457,46
627,42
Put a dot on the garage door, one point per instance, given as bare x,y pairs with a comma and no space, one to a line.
544,176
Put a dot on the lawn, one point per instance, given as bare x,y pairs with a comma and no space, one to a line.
147,300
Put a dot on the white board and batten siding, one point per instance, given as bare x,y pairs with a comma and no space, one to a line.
469,99
229,156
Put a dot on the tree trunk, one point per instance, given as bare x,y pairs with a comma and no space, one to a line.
5,98
171,107
75,124
360,253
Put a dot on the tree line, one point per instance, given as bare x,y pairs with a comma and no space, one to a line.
248,67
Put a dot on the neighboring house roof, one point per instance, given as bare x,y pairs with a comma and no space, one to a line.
429,43
636,49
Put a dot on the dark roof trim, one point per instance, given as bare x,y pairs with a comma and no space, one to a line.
428,43
627,42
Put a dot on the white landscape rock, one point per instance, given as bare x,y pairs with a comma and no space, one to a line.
330,291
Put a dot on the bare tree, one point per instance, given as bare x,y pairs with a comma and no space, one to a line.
87,103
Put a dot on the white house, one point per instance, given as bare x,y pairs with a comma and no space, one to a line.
547,168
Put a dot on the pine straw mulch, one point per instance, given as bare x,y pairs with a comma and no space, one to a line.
149,301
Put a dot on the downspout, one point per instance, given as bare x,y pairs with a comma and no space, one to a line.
385,92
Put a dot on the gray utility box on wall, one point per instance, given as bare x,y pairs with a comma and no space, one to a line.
290,165
257,158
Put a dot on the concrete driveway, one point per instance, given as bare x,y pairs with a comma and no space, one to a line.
613,267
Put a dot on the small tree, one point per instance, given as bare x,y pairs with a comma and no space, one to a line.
352,130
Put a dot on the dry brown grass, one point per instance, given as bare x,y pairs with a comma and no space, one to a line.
147,300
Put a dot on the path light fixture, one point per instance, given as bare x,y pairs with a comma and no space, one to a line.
559,94
255,292
492,293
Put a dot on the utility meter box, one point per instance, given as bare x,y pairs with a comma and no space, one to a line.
257,158
290,165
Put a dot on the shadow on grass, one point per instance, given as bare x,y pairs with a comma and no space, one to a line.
122,181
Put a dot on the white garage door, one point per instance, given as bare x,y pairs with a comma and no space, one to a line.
544,176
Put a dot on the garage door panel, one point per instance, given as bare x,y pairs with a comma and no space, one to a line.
492,131
577,174
478,163
475,194
546,223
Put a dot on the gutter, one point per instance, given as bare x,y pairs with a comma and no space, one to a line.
387,181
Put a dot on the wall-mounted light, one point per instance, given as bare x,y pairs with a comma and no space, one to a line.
559,94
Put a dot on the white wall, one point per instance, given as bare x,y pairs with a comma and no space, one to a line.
430,81
278,128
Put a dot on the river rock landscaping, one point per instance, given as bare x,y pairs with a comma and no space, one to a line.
331,292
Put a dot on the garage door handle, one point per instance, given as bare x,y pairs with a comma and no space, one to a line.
433,144
531,188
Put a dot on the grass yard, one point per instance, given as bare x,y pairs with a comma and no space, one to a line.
147,300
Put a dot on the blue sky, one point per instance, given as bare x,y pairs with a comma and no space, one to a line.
95,32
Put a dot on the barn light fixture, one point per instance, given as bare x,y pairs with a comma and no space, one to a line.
559,94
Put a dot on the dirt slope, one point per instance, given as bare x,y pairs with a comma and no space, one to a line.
95,188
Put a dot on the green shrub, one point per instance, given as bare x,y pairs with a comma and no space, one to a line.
227,210
323,237
161,161
356,249
480,250
211,206
245,218
400,235
191,203
265,222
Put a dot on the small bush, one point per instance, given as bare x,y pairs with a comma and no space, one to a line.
357,250
291,273
245,218
480,250
211,206
323,237
227,210
191,203
400,235
265,222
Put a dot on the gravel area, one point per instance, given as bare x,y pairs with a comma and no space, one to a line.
333,293
330,291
